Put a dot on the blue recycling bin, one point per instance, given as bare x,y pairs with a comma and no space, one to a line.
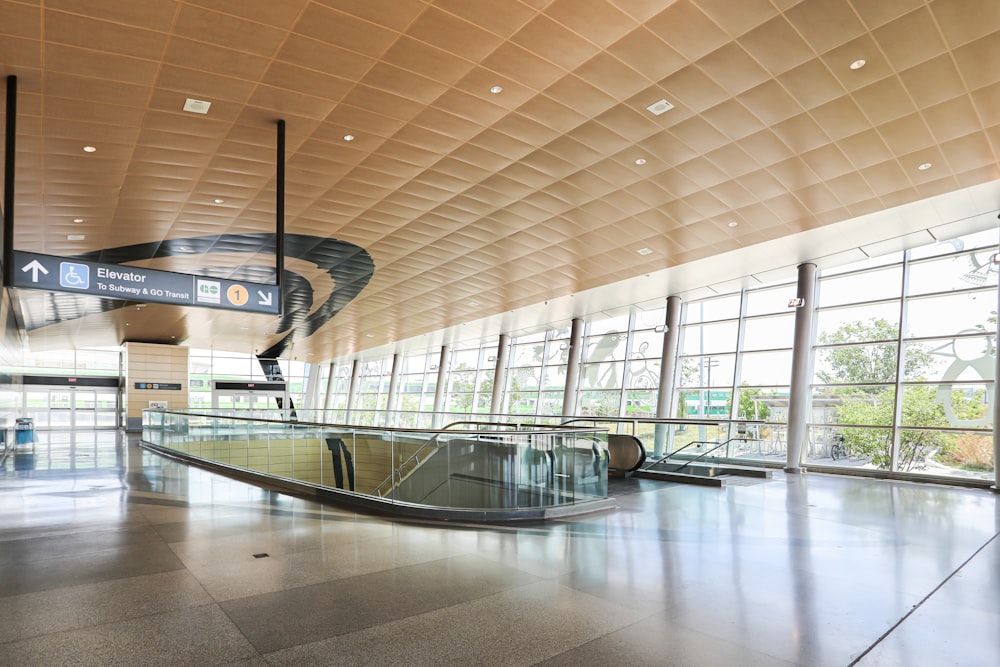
24,431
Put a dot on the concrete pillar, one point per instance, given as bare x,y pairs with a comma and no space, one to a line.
799,397
668,369
573,368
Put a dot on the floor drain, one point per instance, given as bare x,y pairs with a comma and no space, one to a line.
261,555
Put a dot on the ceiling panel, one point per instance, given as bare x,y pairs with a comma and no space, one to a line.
412,190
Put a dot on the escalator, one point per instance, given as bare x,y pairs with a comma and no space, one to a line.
691,464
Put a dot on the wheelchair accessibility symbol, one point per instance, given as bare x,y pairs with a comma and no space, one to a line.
76,276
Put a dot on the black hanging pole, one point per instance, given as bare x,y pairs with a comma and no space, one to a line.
8,181
279,259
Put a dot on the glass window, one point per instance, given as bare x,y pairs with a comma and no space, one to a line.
865,286
966,312
650,319
770,300
769,333
526,355
953,359
984,239
602,376
831,320
955,272
554,377
610,347
709,338
557,352
717,308
860,406
609,325
869,263
963,405
599,403
855,364
711,371
768,404
766,368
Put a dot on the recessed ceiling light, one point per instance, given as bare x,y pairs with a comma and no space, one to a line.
90,149
657,108
219,201
733,223
75,237
369,335
859,63
192,105
496,90
78,220
183,248
640,161
925,166
644,251
348,137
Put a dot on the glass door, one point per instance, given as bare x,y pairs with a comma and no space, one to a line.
71,407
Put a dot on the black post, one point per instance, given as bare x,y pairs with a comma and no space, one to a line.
279,251
8,182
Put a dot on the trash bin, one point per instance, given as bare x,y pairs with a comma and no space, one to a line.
24,431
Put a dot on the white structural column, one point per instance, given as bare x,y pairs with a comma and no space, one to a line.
668,364
573,368
352,391
328,397
440,389
799,398
390,399
996,402
500,374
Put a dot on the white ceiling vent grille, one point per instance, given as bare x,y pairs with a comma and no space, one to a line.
196,106
661,107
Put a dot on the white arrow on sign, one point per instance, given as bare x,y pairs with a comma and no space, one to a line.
265,298
34,266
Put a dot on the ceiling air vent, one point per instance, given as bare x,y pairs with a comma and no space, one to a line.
661,107
196,106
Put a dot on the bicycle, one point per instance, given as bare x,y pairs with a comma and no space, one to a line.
838,450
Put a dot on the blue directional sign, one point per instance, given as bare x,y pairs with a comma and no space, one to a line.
115,281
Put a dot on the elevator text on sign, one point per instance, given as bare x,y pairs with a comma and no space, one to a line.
64,274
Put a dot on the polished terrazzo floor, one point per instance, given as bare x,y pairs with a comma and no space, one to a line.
110,555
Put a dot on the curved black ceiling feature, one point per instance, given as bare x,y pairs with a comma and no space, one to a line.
349,266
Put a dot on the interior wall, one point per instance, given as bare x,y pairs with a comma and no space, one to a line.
154,373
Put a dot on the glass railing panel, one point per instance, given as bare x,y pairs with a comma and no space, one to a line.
472,465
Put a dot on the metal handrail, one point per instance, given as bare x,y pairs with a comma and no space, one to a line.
695,459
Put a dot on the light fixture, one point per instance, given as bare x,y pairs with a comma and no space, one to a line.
859,63
925,166
369,335
78,220
496,90
219,201
348,137
75,237
184,248
797,302
733,223
90,149
644,251
640,161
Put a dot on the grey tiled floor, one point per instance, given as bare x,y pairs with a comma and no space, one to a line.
110,555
